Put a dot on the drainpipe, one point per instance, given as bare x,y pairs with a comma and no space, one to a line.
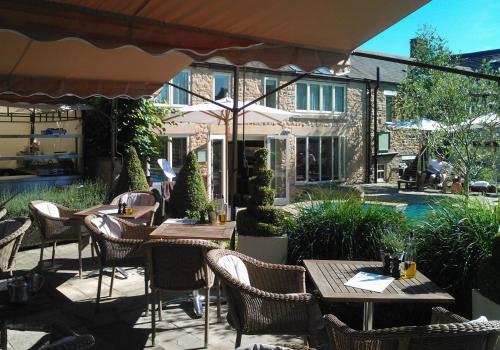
368,134
234,173
375,127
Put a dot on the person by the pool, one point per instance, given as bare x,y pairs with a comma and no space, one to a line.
437,170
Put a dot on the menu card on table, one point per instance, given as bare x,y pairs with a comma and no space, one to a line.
370,281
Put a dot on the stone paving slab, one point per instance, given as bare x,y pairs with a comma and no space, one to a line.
121,323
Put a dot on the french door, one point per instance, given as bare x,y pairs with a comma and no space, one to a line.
279,162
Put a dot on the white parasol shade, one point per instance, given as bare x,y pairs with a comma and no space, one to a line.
209,113
423,124
487,121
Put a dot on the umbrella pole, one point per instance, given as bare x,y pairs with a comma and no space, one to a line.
234,174
227,172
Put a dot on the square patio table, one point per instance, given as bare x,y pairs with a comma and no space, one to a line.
329,277
139,211
222,232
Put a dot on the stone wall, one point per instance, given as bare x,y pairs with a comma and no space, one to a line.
350,124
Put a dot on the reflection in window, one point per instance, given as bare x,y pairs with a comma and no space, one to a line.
222,84
180,97
313,159
326,158
314,97
179,151
270,84
300,159
301,96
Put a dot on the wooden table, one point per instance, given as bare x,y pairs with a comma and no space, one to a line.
198,231
329,277
139,211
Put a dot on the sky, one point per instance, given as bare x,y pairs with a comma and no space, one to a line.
467,25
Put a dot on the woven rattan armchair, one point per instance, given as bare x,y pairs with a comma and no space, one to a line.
178,265
3,212
116,251
275,302
140,198
11,234
56,223
447,331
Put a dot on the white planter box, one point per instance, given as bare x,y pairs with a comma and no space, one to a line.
268,249
482,306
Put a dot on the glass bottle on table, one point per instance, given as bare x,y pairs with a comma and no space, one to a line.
409,263
222,215
129,210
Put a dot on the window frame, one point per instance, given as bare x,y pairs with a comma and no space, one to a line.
380,133
338,158
229,89
170,93
275,79
308,84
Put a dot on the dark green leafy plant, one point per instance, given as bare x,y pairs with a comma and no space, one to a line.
452,242
488,274
344,229
189,194
132,176
260,218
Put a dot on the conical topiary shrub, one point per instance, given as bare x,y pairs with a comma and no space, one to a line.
189,194
132,176
260,218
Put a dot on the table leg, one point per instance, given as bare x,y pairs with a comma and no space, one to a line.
367,315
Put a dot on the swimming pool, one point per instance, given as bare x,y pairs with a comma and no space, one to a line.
417,210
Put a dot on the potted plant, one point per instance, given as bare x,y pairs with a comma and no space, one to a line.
486,299
259,226
392,246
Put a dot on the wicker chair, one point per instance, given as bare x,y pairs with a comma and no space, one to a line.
274,302
114,251
3,212
140,198
447,331
56,223
179,265
11,234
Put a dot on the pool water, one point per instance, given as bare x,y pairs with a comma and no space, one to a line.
417,210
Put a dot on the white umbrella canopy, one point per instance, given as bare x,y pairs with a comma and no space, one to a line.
423,124
209,113
487,121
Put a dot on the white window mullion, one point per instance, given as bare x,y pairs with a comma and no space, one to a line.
320,160
320,107
308,99
307,159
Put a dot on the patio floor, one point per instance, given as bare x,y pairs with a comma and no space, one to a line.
121,323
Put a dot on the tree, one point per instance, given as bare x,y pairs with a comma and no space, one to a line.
132,176
189,195
451,99
261,218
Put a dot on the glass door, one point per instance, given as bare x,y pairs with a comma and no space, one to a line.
278,161
217,167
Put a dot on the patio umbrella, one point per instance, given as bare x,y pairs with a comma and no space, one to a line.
209,113
423,124
487,121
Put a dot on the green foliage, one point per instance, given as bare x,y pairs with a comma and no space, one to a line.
261,218
138,124
132,176
452,99
488,274
344,229
327,192
452,241
189,192
78,196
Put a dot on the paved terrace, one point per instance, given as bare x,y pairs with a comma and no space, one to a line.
121,323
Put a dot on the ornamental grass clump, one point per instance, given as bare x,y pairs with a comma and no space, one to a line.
189,196
260,218
342,229
452,242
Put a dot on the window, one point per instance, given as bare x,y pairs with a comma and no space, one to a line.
389,109
173,149
173,95
318,97
271,84
384,142
381,172
319,158
222,85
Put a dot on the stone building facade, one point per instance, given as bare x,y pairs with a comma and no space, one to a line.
345,128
